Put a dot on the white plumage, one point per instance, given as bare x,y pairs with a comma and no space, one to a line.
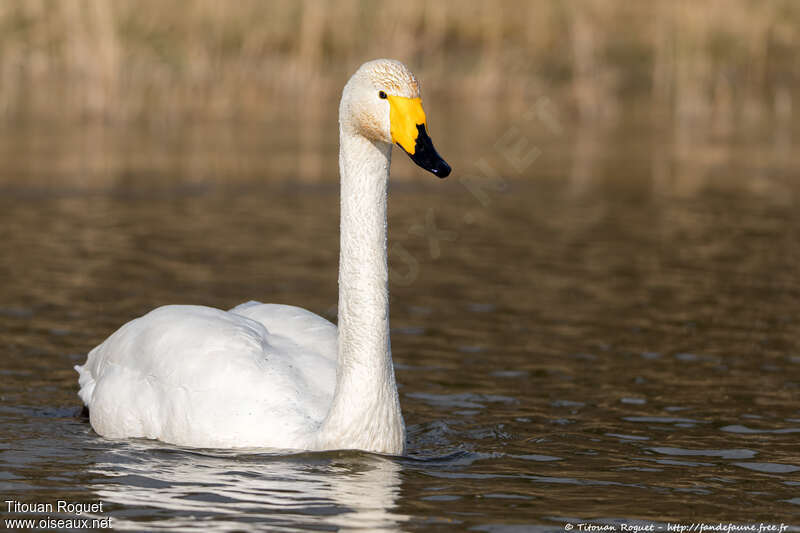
199,376
278,376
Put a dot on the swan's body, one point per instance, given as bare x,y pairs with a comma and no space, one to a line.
279,376
201,376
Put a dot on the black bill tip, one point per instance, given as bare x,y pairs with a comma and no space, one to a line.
425,155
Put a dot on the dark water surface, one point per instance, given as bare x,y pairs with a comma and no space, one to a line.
588,340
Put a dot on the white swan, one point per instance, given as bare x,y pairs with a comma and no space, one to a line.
277,376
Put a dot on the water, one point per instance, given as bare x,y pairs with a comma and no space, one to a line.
609,337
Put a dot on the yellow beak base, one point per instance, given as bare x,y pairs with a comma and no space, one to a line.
404,115
408,131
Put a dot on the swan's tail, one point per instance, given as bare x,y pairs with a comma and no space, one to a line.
87,383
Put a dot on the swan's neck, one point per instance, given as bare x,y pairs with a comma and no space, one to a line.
365,412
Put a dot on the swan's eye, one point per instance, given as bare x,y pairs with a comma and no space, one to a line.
382,95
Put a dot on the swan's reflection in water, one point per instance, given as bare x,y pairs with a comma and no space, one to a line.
164,488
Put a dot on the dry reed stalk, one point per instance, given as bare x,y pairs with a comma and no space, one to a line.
720,61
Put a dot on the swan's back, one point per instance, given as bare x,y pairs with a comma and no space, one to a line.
197,376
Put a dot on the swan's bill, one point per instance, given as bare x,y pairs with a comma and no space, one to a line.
407,120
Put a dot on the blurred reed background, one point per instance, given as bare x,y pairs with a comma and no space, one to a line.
160,66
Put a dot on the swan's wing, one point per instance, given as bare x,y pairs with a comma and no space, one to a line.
311,340
308,330
199,376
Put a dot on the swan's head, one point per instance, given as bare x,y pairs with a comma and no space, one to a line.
382,103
